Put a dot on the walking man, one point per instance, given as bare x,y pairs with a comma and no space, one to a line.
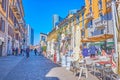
27,52
16,51
35,51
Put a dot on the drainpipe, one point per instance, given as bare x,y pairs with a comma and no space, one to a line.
113,6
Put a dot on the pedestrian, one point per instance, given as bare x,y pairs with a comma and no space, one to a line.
35,51
92,50
13,51
21,51
85,51
16,51
27,52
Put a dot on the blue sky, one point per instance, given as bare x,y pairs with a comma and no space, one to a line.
38,13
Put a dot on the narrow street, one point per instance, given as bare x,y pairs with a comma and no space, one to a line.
34,68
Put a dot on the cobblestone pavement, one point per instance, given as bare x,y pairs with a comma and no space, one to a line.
33,68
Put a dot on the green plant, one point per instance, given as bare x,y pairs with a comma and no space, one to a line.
44,48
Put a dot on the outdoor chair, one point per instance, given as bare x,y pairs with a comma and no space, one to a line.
83,68
99,68
76,67
89,63
109,73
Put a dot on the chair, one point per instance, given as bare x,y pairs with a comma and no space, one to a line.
83,68
88,62
76,66
108,71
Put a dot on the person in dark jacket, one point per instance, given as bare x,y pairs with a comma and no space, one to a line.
27,52
92,50
35,51
85,51
16,51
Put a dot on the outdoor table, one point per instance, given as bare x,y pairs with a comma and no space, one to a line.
101,60
103,63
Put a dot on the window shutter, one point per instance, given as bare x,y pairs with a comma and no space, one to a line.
3,26
0,24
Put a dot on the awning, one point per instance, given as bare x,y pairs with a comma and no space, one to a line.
98,38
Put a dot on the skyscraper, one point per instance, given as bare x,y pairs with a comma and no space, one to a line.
73,11
30,35
56,20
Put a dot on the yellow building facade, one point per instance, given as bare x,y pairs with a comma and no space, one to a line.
11,26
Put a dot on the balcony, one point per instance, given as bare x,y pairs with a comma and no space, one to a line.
89,16
99,23
16,9
16,27
108,4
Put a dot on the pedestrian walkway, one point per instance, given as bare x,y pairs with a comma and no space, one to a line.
33,68
7,64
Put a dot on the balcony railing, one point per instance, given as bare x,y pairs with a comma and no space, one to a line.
89,15
100,23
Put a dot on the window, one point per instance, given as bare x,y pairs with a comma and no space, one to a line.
90,9
90,1
77,19
82,20
10,31
17,36
100,4
101,16
11,15
2,25
91,23
4,5
102,31
43,38
83,33
92,33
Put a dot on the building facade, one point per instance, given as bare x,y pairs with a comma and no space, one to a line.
93,23
11,25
